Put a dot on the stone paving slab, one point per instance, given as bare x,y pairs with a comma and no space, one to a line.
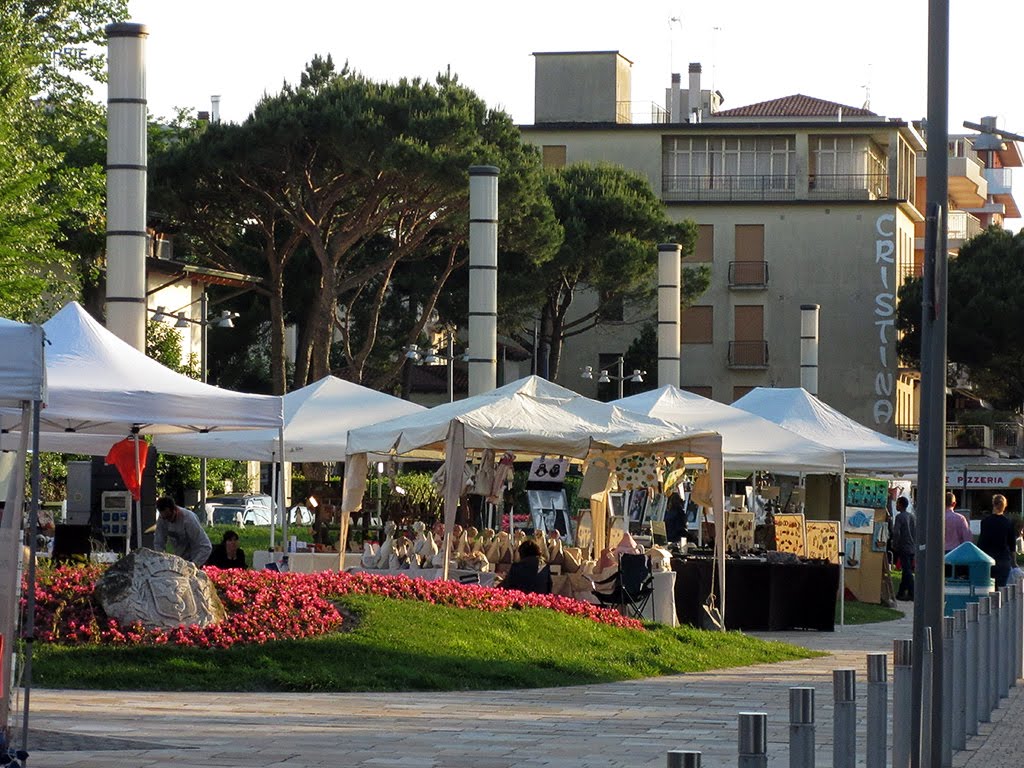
619,725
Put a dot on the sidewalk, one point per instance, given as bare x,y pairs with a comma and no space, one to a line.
625,725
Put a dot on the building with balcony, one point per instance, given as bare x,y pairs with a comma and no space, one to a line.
798,200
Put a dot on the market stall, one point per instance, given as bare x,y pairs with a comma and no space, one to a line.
869,457
22,389
530,417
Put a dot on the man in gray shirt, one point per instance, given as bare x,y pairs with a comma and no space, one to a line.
904,545
188,539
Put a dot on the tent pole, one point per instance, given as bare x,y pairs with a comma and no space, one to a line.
137,503
273,495
842,544
30,608
280,486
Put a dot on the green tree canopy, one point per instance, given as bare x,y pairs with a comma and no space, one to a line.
613,224
985,316
343,190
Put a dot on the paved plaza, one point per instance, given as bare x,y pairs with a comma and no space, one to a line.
629,724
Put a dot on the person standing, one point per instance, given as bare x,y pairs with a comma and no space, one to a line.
957,528
904,544
188,539
997,540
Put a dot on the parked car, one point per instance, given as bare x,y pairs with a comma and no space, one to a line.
240,509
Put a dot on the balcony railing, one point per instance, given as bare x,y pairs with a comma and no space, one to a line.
962,225
748,274
748,354
1000,180
737,187
1007,437
641,112
849,186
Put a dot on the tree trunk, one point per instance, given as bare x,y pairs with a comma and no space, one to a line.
278,353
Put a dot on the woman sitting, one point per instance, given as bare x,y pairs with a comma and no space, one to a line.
228,554
531,573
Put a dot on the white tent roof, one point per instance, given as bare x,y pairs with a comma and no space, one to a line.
22,372
317,419
100,385
531,416
799,411
749,442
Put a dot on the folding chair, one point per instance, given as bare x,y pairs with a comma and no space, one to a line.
634,585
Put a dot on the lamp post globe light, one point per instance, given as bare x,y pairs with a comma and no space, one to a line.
430,356
636,377
224,319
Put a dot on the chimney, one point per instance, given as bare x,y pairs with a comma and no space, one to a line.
674,98
809,347
215,109
693,95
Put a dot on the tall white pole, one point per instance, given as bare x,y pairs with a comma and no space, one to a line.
126,182
669,293
809,347
483,278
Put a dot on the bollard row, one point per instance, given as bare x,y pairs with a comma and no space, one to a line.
982,659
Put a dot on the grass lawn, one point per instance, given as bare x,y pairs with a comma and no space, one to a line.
397,645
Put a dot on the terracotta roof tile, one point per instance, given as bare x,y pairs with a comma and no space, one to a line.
796,105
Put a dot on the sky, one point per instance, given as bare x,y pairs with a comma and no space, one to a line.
750,50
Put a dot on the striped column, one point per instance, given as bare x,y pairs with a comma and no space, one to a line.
126,182
809,347
669,294
483,278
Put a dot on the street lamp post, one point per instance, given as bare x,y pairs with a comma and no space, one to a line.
430,356
223,320
636,377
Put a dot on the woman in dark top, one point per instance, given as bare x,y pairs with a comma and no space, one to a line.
997,540
228,554
530,574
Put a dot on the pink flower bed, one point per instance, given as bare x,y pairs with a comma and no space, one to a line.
264,606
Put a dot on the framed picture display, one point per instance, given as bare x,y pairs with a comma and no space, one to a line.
823,540
854,552
790,534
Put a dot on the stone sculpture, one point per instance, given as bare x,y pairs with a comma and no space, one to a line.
160,590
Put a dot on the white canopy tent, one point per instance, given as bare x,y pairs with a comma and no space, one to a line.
100,389
749,442
317,419
23,388
529,417
799,411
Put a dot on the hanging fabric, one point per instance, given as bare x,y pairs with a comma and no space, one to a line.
638,471
123,456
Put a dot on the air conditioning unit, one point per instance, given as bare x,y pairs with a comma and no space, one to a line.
115,509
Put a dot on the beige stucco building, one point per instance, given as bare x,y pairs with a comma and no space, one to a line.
798,201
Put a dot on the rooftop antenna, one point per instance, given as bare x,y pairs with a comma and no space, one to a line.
867,91
671,46
714,61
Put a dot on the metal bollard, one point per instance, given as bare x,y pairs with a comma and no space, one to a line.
902,701
927,737
971,670
1007,643
878,711
844,718
683,758
1018,615
946,737
984,697
996,603
959,702
801,727
753,742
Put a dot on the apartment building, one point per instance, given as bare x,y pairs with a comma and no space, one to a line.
798,200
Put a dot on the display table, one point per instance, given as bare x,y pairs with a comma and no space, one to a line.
306,562
430,574
760,595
